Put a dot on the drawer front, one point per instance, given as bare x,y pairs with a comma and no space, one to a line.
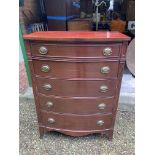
76,122
70,87
76,106
76,50
66,69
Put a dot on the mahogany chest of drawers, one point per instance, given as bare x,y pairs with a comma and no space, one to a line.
76,79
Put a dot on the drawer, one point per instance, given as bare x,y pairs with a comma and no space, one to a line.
74,87
76,105
76,122
76,69
76,50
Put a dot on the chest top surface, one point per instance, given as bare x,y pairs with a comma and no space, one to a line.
76,36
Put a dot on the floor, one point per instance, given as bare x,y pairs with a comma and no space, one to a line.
58,144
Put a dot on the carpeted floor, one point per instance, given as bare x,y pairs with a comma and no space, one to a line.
55,143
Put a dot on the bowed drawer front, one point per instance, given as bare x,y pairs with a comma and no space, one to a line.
77,122
76,88
91,69
76,50
74,105
76,78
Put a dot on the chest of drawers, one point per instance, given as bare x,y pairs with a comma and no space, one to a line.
76,79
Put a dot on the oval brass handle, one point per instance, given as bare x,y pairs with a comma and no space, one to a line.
47,86
100,123
101,106
107,51
45,68
104,88
49,104
43,50
51,120
105,69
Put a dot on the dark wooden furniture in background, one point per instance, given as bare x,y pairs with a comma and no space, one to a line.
128,9
80,25
76,80
86,6
59,12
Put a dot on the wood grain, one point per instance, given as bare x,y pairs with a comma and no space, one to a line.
76,36
76,50
75,60
76,87
76,69
76,105
77,122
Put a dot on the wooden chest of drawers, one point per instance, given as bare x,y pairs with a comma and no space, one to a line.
76,78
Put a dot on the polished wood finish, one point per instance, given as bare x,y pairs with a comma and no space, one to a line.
76,86
76,105
77,122
73,87
76,36
76,50
86,69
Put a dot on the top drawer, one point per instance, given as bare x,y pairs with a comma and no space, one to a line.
76,50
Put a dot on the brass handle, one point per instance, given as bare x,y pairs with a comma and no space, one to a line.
100,123
45,68
105,69
47,86
51,120
49,104
107,51
43,50
104,88
101,106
